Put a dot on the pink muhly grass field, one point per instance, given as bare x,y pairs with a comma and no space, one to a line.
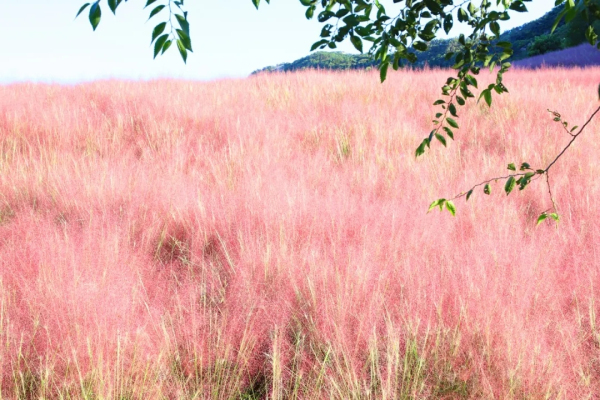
268,238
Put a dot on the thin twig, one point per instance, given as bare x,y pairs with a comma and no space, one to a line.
573,139
540,171
550,194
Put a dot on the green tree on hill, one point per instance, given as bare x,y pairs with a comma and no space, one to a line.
325,60
544,44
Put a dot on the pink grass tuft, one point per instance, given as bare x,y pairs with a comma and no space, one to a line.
268,238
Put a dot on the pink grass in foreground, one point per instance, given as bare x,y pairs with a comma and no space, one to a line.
267,238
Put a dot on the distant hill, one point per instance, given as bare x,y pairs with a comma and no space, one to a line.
528,40
325,60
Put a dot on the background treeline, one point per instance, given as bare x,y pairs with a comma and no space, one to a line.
528,40
325,60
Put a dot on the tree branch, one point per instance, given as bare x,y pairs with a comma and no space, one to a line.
525,177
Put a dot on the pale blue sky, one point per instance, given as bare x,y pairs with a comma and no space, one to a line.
43,41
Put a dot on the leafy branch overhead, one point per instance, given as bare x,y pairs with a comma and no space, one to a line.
396,37
399,36
175,27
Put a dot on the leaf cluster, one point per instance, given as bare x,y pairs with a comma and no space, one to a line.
395,37
178,31
587,10
400,36
444,204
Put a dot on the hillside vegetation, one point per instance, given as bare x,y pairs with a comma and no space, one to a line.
327,60
531,39
268,238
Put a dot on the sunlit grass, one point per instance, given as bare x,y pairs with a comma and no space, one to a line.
268,238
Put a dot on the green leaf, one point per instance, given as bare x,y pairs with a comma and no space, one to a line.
450,207
184,39
113,4
448,22
95,15
318,44
487,189
182,50
449,132
452,109
421,46
183,23
541,218
472,9
325,15
523,182
438,102
512,167
433,6
156,10
149,2
525,166
487,96
452,123
460,101
420,150
590,35
342,12
160,42
555,217
256,4
310,12
438,203
510,185
383,71
166,46
571,14
158,29
469,193
83,7
495,28
518,6
559,17
441,139
430,137
356,42
471,80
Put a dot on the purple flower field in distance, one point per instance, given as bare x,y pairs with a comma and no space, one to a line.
579,56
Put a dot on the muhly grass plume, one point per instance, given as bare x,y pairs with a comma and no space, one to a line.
268,238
